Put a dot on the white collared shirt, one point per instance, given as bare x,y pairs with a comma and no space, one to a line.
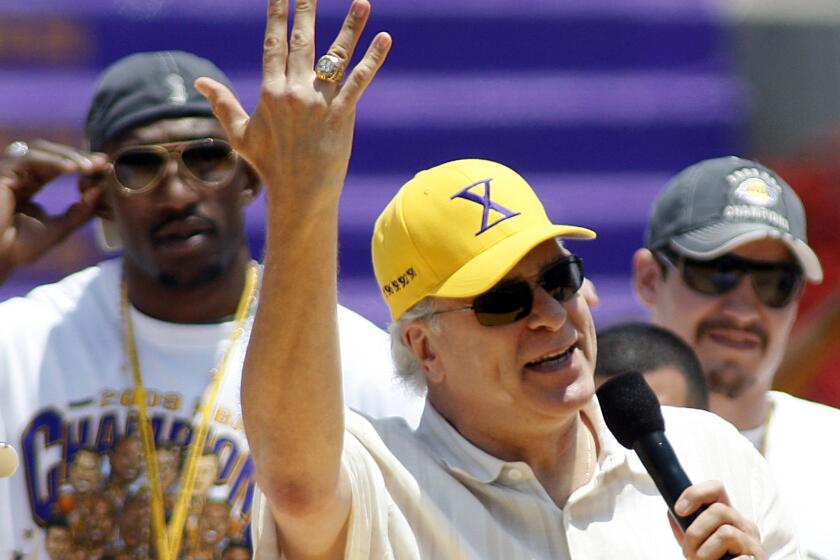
432,494
803,452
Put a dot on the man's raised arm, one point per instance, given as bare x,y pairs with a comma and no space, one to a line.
299,140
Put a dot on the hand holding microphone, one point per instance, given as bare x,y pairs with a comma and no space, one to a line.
704,522
8,460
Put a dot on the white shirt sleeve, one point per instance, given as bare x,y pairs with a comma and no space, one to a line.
377,527
712,449
775,523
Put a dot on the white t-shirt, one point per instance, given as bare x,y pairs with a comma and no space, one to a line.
802,445
430,493
66,385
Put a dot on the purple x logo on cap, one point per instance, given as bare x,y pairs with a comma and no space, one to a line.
486,202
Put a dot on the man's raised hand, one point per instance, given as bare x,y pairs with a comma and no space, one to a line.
300,135
27,231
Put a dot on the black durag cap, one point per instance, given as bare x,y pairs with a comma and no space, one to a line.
146,87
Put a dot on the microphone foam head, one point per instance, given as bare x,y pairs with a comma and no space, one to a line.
630,408
8,460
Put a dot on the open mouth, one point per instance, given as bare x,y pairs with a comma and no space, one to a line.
210,535
550,361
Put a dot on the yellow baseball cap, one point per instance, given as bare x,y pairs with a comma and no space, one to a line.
455,230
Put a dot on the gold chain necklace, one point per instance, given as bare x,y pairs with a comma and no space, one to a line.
589,437
762,446
168,539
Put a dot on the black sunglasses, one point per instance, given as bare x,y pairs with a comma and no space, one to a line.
512,300
775,283
207,161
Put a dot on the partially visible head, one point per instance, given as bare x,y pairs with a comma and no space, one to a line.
725,258
207,470
667,363
177,209
169,458
97,520
213,522
57,538
471,236
236,550
85,470
127,460
135,521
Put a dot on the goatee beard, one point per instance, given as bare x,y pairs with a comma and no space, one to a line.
723,381
203,278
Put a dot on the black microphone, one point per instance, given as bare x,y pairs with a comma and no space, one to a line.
633,415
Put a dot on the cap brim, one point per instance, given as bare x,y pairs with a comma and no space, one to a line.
107,236
717,239
489,267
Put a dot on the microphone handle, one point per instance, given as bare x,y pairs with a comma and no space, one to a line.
661,463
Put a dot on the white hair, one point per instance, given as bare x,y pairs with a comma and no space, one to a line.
406,365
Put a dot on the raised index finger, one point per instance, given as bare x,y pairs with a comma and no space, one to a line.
275,48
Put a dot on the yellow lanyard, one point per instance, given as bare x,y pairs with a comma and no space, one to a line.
168,541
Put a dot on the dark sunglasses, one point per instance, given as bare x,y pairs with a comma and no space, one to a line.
512,300
776,284
139,169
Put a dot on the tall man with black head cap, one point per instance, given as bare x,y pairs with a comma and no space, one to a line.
726,258
150,345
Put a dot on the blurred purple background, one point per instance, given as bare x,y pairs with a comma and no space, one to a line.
596,102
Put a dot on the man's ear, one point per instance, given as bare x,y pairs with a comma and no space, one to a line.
647,276
416,336
252,187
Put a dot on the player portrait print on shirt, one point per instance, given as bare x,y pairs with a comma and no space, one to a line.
88,483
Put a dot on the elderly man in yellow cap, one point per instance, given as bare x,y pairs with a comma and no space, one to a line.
512,459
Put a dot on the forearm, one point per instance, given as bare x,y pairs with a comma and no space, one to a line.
291,388
298,140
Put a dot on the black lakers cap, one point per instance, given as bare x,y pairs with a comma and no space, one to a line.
716,205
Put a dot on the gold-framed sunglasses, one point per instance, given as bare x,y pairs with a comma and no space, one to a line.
209,162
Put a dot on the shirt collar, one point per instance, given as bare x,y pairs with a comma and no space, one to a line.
463,458
612,454
456,452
